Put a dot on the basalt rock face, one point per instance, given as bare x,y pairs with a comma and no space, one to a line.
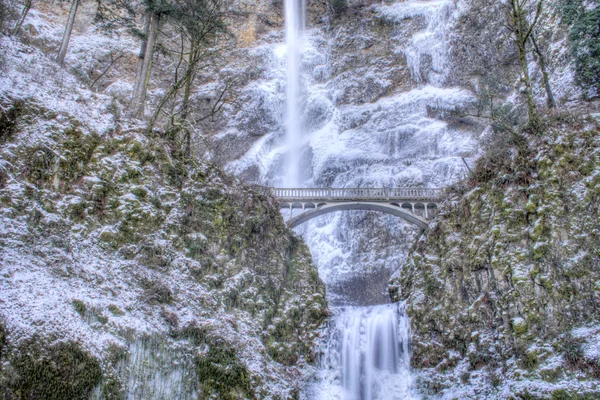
126,270
504,289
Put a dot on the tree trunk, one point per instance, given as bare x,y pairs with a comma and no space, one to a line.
189,78
62,52
534,118
522,31
545,77
140,96
142,54
26,9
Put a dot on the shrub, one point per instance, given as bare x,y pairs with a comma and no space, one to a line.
571,349
3,341
61,371
157,292
338,6
79,307
9,118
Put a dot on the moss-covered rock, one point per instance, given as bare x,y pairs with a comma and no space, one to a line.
170,240
221,373
519,272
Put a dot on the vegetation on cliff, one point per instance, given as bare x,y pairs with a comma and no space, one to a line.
510,268
138,262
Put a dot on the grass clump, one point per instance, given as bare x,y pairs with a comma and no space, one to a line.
79,307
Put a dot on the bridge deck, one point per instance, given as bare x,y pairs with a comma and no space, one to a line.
357,194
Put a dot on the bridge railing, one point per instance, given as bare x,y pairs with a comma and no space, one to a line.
342,194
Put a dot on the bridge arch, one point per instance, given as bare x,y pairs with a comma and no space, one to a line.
365,206
415,205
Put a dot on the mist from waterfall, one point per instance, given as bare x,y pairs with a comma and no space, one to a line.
295,17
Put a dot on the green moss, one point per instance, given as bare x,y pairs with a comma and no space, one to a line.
115,310
550,374
39,162
52,372
76,152
140,192
220,371
116,354
112,389
79,307
520,326
529,360
103,319
176,173
9,119
77,211
138,152
531,207
539,250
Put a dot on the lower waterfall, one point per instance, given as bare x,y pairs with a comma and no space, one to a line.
365,355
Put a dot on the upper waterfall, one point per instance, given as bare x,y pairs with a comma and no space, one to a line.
295,11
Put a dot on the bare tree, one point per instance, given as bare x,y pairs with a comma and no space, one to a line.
201,23
544,69
145,69
523,17
142,53
24,13
115,56
62,52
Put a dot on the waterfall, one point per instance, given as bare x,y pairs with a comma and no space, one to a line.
295,11
351,126
366,356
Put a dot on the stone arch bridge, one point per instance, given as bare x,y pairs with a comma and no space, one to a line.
415,205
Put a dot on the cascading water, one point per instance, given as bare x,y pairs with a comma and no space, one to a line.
295,11
365,356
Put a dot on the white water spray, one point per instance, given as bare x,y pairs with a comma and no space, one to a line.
295,11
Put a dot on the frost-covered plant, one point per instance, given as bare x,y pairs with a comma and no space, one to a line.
571,349
583,17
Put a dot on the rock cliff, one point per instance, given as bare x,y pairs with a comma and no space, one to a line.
503,290
130,270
